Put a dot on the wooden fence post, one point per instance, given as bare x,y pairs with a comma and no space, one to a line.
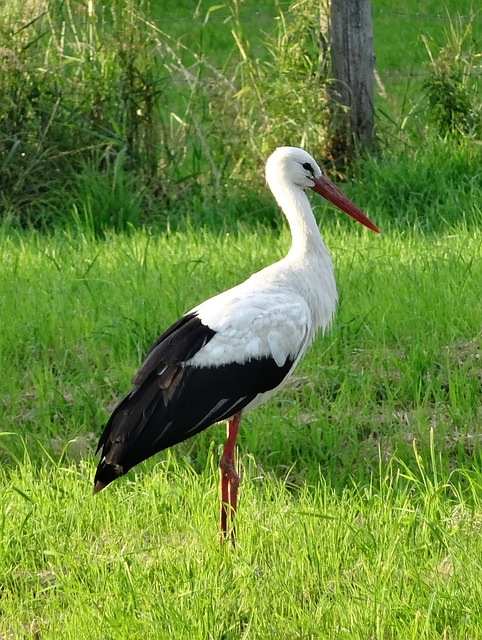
353,84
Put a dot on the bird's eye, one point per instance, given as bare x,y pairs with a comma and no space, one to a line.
308,167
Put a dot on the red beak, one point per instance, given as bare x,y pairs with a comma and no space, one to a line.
328,190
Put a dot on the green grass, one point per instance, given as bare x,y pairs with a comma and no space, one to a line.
361,496
360,502
399,558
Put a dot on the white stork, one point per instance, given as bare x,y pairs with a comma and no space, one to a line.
234,351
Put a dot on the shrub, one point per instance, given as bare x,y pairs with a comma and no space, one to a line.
452,86
81,85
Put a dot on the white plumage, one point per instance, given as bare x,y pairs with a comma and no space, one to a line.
233,351
278,310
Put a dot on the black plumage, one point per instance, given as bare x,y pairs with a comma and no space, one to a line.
172,401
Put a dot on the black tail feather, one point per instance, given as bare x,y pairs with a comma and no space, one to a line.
152,418
105,474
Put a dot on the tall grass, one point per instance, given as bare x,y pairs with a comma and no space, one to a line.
105,104
452,85
82,87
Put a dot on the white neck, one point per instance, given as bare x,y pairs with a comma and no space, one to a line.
306,239
309,261
307,268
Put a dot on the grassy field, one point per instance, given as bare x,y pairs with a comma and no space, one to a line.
360,509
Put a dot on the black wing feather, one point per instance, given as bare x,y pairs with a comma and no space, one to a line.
171,402
177,344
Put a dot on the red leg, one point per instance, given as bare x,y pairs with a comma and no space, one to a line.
229,479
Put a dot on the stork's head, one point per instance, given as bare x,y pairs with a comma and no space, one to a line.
293,166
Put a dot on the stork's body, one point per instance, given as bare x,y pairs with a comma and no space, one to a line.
235,350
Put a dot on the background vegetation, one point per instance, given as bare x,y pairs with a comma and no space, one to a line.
132,144
123,113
